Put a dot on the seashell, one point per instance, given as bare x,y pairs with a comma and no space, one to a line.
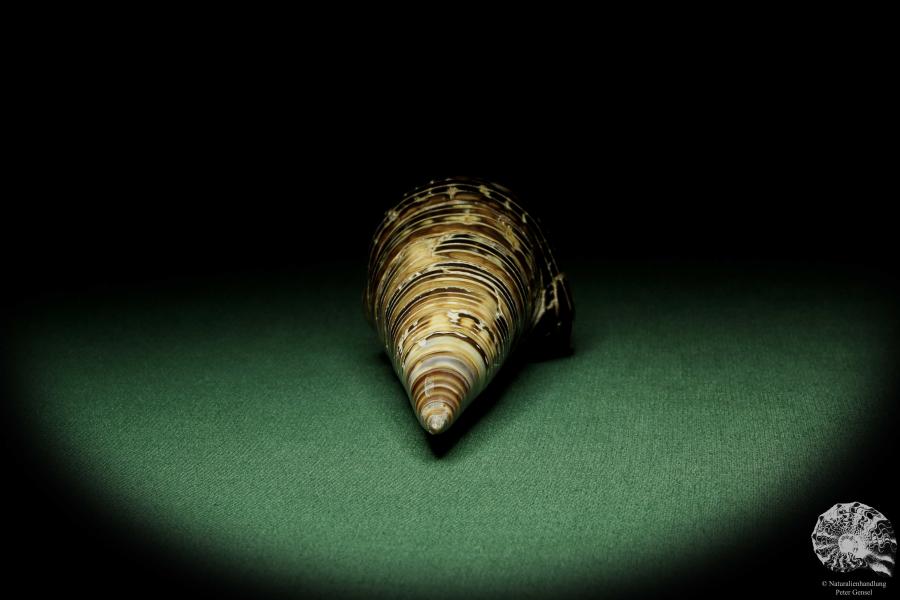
851,536
459,275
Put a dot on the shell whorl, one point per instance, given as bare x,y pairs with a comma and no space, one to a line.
851,536
458,275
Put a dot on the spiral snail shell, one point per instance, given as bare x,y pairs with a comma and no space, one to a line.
851,536
459,274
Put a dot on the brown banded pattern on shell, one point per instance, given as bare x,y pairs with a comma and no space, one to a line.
458,275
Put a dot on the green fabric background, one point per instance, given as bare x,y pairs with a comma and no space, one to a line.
257,429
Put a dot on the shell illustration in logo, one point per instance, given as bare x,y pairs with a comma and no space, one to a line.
852,536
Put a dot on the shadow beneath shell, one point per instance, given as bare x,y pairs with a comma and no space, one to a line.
491,396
